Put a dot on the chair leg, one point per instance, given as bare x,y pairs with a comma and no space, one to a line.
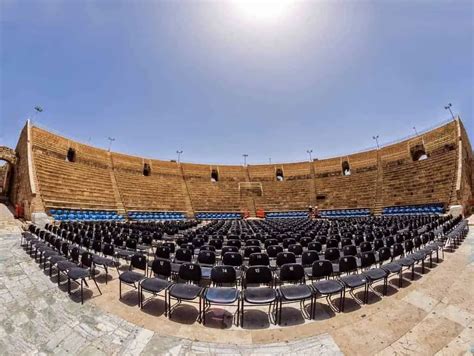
413,271
120,289
97,286
82,291
242,314
200,310
68,285
342,302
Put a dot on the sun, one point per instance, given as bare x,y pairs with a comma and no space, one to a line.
263,10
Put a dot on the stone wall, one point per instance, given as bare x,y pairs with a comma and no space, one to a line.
22,190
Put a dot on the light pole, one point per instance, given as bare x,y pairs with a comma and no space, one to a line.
111,139
414,129
448,107
270,160
179,152
309,153
376,138
245,158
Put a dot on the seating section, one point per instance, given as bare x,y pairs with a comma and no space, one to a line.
393,176
85,215
286,215
222,195
218,216
330,258
414,209
82,184
162,190
344,213
156,215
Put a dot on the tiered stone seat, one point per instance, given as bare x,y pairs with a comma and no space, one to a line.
387,177
220,196
83,184
162,190
408,182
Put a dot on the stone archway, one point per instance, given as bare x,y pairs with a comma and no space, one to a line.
9,156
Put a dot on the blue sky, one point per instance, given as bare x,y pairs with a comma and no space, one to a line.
216,82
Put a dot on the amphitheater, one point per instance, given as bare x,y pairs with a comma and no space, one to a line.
107,253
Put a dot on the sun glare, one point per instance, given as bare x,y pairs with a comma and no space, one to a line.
263,10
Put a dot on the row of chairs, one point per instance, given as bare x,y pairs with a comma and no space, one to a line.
260,285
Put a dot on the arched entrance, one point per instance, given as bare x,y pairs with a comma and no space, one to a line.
7,161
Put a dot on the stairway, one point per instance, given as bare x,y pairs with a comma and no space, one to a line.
117,196
378,198
187,197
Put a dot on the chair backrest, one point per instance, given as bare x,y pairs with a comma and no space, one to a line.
251,249
259,259
258,275
232,259
183,255
226,249
367,259
304,241
349,250
138,261
75,252
384,254
65,248
308,257
322,268
331,243
288,241
108,250
252,242
234,242
297,249
397,250
291,272
315,246
223,275
161,267
190,272
284,258
346,241
347,264
217,243
207,257
408,245
332,254
86,259
274,250
163,252
131,244
378,244
270,242
365,246
170,245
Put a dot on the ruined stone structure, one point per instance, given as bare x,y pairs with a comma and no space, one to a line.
55,172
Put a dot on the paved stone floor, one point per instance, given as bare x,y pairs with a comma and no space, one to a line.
432,315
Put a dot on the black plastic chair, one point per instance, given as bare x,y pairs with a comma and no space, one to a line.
157,284
219,294
131,277
372,273
81,273
297,291
259,259
189,273
260,295
326,287
352,281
